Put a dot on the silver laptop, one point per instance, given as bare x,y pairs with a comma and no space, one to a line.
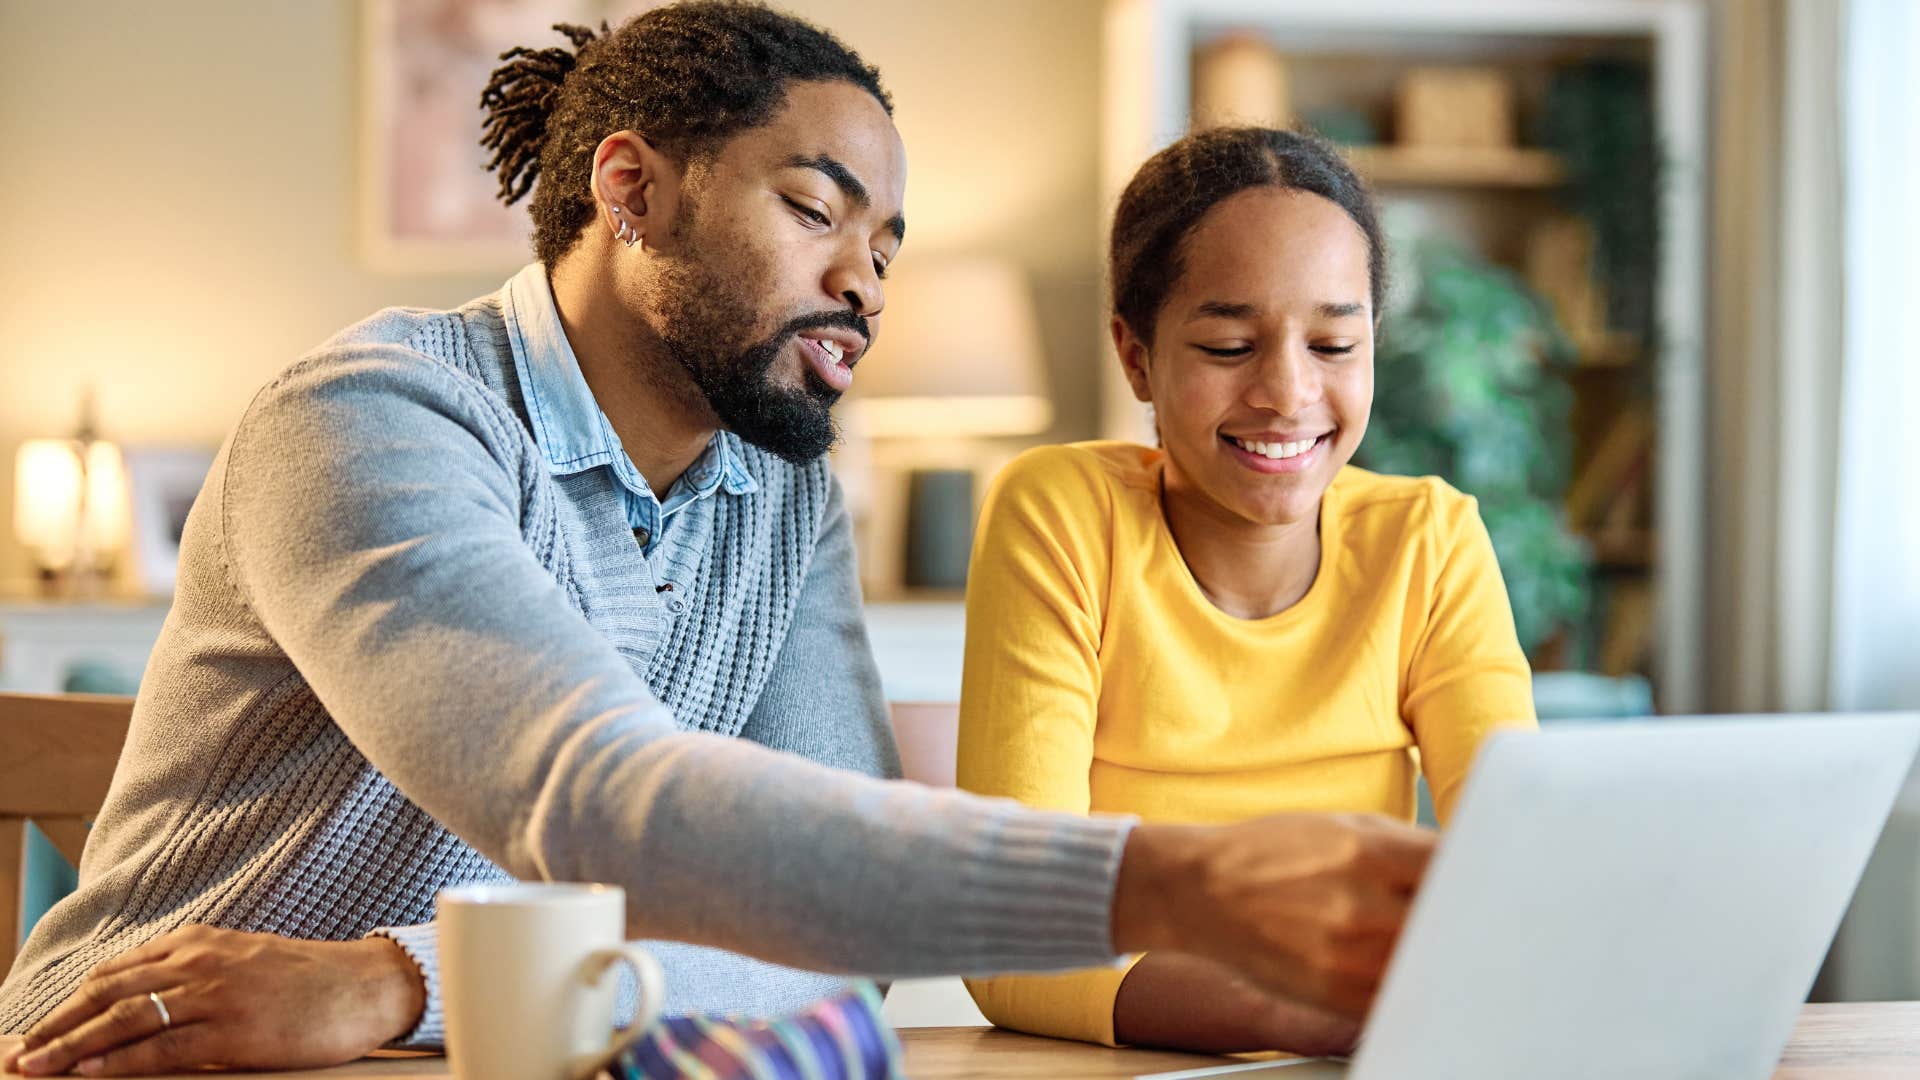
1647,900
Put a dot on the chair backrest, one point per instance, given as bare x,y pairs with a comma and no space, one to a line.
57,756
929,738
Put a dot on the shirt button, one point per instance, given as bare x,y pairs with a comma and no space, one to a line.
641,536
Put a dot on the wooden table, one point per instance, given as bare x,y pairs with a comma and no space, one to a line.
1832,1042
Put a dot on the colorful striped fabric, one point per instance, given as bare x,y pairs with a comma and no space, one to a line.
838,1038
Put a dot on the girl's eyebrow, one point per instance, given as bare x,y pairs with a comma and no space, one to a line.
1221,309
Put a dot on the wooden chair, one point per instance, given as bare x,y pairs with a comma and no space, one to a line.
57,755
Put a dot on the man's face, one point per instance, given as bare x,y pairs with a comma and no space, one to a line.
772,292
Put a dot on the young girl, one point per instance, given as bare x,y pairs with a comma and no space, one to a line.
1237,622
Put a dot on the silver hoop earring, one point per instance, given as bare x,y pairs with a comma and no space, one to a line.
626,233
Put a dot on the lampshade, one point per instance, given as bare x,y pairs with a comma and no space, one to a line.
958,354
69,500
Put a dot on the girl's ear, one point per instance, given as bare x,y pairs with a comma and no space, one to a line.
1134,359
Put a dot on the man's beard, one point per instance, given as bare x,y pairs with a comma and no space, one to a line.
703,314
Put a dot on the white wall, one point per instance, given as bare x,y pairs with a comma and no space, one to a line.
177,194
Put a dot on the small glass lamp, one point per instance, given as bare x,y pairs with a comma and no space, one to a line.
70,508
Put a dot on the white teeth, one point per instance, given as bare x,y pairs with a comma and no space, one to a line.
833,349
1276,451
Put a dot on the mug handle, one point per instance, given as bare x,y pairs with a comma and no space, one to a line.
653,993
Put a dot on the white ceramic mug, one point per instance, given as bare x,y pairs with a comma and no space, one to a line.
527,980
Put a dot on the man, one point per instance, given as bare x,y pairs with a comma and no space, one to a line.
434,625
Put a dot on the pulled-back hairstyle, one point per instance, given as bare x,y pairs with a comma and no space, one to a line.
1178,186
687,76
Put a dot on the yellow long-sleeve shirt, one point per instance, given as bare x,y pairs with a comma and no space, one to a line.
1099,677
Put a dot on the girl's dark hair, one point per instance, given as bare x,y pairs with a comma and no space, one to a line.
687,76
1177,186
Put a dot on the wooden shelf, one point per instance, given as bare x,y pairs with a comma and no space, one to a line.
1613,352
1408,166
1622,549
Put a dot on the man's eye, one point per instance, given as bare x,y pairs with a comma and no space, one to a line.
1333,350
880,269
1237,350
807,212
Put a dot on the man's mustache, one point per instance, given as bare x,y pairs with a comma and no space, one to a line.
842,319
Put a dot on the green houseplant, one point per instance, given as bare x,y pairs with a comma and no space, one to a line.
1469,385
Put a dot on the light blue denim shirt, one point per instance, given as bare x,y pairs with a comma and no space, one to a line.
574,432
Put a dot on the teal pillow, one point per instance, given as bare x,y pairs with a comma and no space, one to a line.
49,877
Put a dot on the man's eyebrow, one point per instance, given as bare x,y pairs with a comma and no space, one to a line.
838,173
1341,311
848,184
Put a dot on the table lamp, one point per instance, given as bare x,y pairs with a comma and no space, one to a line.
958,357
70,507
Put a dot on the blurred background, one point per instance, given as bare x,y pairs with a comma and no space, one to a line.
1652,269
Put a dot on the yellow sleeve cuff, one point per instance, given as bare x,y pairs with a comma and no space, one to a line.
1075,1005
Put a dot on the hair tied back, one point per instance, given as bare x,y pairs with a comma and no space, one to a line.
519,100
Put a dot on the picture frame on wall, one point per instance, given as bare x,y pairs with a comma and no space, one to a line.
428,205
162,484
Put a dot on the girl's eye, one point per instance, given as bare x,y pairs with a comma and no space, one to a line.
1333,350
807,212
1237,350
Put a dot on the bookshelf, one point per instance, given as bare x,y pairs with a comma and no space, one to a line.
1637,494
1388,166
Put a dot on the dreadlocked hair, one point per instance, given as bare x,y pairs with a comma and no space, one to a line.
687,76
518,99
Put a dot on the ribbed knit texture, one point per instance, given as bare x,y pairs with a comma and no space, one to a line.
403,656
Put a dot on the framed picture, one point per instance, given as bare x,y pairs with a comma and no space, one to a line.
427,201
162,483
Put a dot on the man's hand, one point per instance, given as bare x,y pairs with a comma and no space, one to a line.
1306,906
250,1001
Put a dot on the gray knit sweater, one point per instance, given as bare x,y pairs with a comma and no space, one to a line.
402,655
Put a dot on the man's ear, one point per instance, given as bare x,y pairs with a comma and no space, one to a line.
636,189
1133,359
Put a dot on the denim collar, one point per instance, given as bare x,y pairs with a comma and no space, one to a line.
569,424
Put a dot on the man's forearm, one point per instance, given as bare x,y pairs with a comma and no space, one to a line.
1144,907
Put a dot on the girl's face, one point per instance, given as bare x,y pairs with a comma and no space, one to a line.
1260,371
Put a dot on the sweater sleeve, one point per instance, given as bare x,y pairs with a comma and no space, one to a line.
1030,694
822,701
379,515
1468,676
